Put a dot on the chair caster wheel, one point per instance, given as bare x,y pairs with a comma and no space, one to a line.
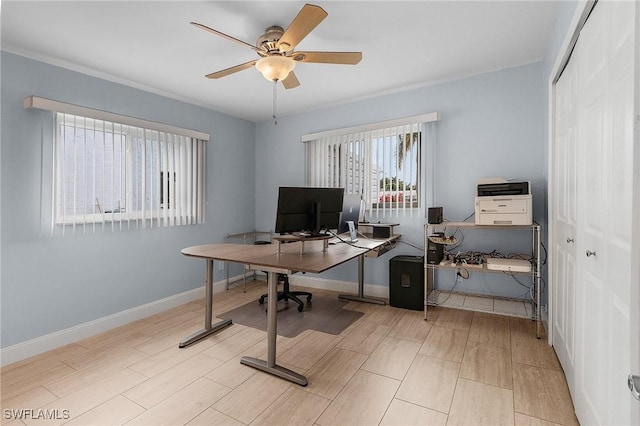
261,300
300,308
308,298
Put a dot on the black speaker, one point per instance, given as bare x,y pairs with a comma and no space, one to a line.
381,231
406,282
435,252
435,215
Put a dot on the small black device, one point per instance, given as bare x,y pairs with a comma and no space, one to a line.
435,252
381,231
406,282
435,215
306,209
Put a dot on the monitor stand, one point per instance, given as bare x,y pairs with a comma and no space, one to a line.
294,238
352,231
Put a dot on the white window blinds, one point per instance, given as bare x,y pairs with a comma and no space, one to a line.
384,165
115,175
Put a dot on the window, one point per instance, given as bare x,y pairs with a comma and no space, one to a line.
120,176
384,164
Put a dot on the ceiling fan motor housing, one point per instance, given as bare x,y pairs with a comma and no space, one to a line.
268,42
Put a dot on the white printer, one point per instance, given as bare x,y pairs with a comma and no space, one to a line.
500,202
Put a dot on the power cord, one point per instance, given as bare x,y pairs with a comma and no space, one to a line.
544,262
469,217
412,245
391,243
455,283
512,275
348,242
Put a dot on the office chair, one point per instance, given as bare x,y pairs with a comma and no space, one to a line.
286,293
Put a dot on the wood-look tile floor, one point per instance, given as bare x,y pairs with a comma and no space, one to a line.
390,367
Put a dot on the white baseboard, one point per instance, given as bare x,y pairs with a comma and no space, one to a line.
29,348
348,287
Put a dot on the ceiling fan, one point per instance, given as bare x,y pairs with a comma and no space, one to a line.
276,49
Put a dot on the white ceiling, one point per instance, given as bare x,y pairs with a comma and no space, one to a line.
150,45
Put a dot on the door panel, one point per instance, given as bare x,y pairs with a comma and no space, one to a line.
596,201
590,376
570,340
634,326
593,209
560,304
620,190
564,216
618,354
622,156
603,280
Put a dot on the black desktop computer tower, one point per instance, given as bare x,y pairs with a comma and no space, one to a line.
435,252
406,282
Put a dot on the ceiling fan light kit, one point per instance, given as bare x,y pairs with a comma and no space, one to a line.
275,68
276,48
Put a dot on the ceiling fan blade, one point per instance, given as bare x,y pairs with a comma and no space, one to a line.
346,58
228,37
225,72
291,81
306,20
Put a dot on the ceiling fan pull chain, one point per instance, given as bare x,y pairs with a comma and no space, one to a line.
275,92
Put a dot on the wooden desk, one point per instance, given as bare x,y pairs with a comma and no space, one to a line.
266,258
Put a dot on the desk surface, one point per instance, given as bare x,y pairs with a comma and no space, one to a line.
314,259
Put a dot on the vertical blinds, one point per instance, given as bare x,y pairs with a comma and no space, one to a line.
116,176
116,172
382,165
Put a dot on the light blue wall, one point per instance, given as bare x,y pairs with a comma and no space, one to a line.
52,283
494,124
491,125
564,13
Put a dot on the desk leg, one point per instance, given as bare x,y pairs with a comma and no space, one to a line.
270,366
360,297
208,312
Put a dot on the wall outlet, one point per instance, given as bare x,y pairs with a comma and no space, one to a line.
220,266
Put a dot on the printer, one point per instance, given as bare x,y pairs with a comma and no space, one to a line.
501,202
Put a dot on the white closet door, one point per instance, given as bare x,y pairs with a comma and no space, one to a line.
635,249
621,75
605,154
564,217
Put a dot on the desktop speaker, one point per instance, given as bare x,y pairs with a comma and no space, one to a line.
406,282
381,231
434,215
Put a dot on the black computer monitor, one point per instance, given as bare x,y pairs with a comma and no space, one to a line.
308,210
350,212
